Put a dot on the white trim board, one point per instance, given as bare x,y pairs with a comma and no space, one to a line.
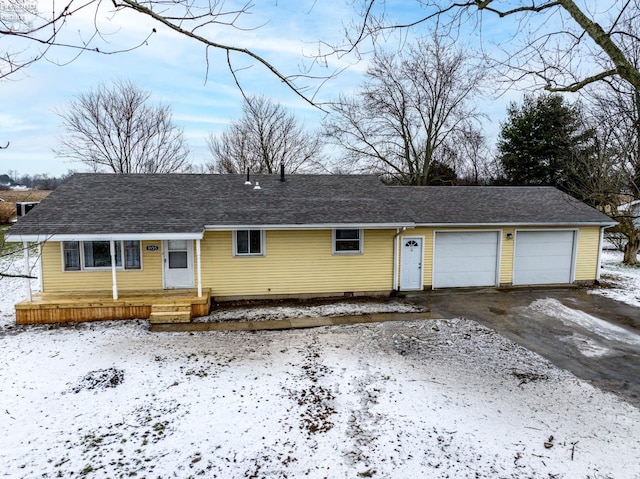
104,237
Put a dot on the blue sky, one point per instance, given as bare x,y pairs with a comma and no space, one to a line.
173,69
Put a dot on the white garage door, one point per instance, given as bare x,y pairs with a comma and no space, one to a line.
543,257
465,259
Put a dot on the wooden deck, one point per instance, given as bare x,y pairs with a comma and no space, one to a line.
160,307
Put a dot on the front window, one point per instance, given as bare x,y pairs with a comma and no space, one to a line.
79,255
132,255
71,254
97,254
347,241
248,242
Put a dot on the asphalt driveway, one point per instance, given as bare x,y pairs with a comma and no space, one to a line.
595,338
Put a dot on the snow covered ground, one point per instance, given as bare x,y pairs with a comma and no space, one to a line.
434,398
340,308
620,282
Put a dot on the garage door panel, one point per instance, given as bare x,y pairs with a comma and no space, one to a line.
543,257
465,259
479,251
470,279
482,244
467,263
540,263
561,247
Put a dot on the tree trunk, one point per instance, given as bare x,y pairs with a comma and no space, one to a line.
631,249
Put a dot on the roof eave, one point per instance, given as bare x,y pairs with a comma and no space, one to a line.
317,226
519,224
41,238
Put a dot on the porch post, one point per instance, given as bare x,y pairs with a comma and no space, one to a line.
112,247
199,268
27,268
395,259
41,280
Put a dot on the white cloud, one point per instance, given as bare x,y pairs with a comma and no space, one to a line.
10,124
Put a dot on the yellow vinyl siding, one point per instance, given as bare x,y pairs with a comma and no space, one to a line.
55,279
587,254
297,262
506,257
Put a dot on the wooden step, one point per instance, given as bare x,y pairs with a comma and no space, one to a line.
181,307
163,313
163,317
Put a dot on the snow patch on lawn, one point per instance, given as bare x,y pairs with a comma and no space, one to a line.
555,309
263,313
587,346
436,398
14,290
620,282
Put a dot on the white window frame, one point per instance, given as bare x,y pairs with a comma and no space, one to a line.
263,244
360,249
83,267
99,268
64,258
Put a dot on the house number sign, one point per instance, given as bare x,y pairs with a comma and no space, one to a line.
152,247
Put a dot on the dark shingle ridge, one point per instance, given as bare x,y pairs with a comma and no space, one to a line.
497,204
90,203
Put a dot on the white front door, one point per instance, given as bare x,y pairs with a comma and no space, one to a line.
411,264
178,263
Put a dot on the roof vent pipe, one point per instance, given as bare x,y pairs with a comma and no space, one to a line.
257,187
248,181
282,171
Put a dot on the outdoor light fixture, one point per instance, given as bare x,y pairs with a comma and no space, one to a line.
509,236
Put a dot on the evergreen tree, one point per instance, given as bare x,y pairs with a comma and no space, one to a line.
540,141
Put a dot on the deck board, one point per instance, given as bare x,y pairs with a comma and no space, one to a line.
100,305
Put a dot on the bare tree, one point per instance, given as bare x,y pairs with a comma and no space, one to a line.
115,129
475,164
617,112
409,115
556,42
616,115
266,136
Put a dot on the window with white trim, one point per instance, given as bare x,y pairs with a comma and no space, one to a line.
71,255
248,243
132,258
88,255
97,254
347,241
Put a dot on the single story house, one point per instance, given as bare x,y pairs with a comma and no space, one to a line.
271,236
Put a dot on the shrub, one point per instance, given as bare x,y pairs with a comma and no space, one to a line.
7,211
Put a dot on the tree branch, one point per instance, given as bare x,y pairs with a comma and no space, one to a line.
581,84
228,48
604,41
